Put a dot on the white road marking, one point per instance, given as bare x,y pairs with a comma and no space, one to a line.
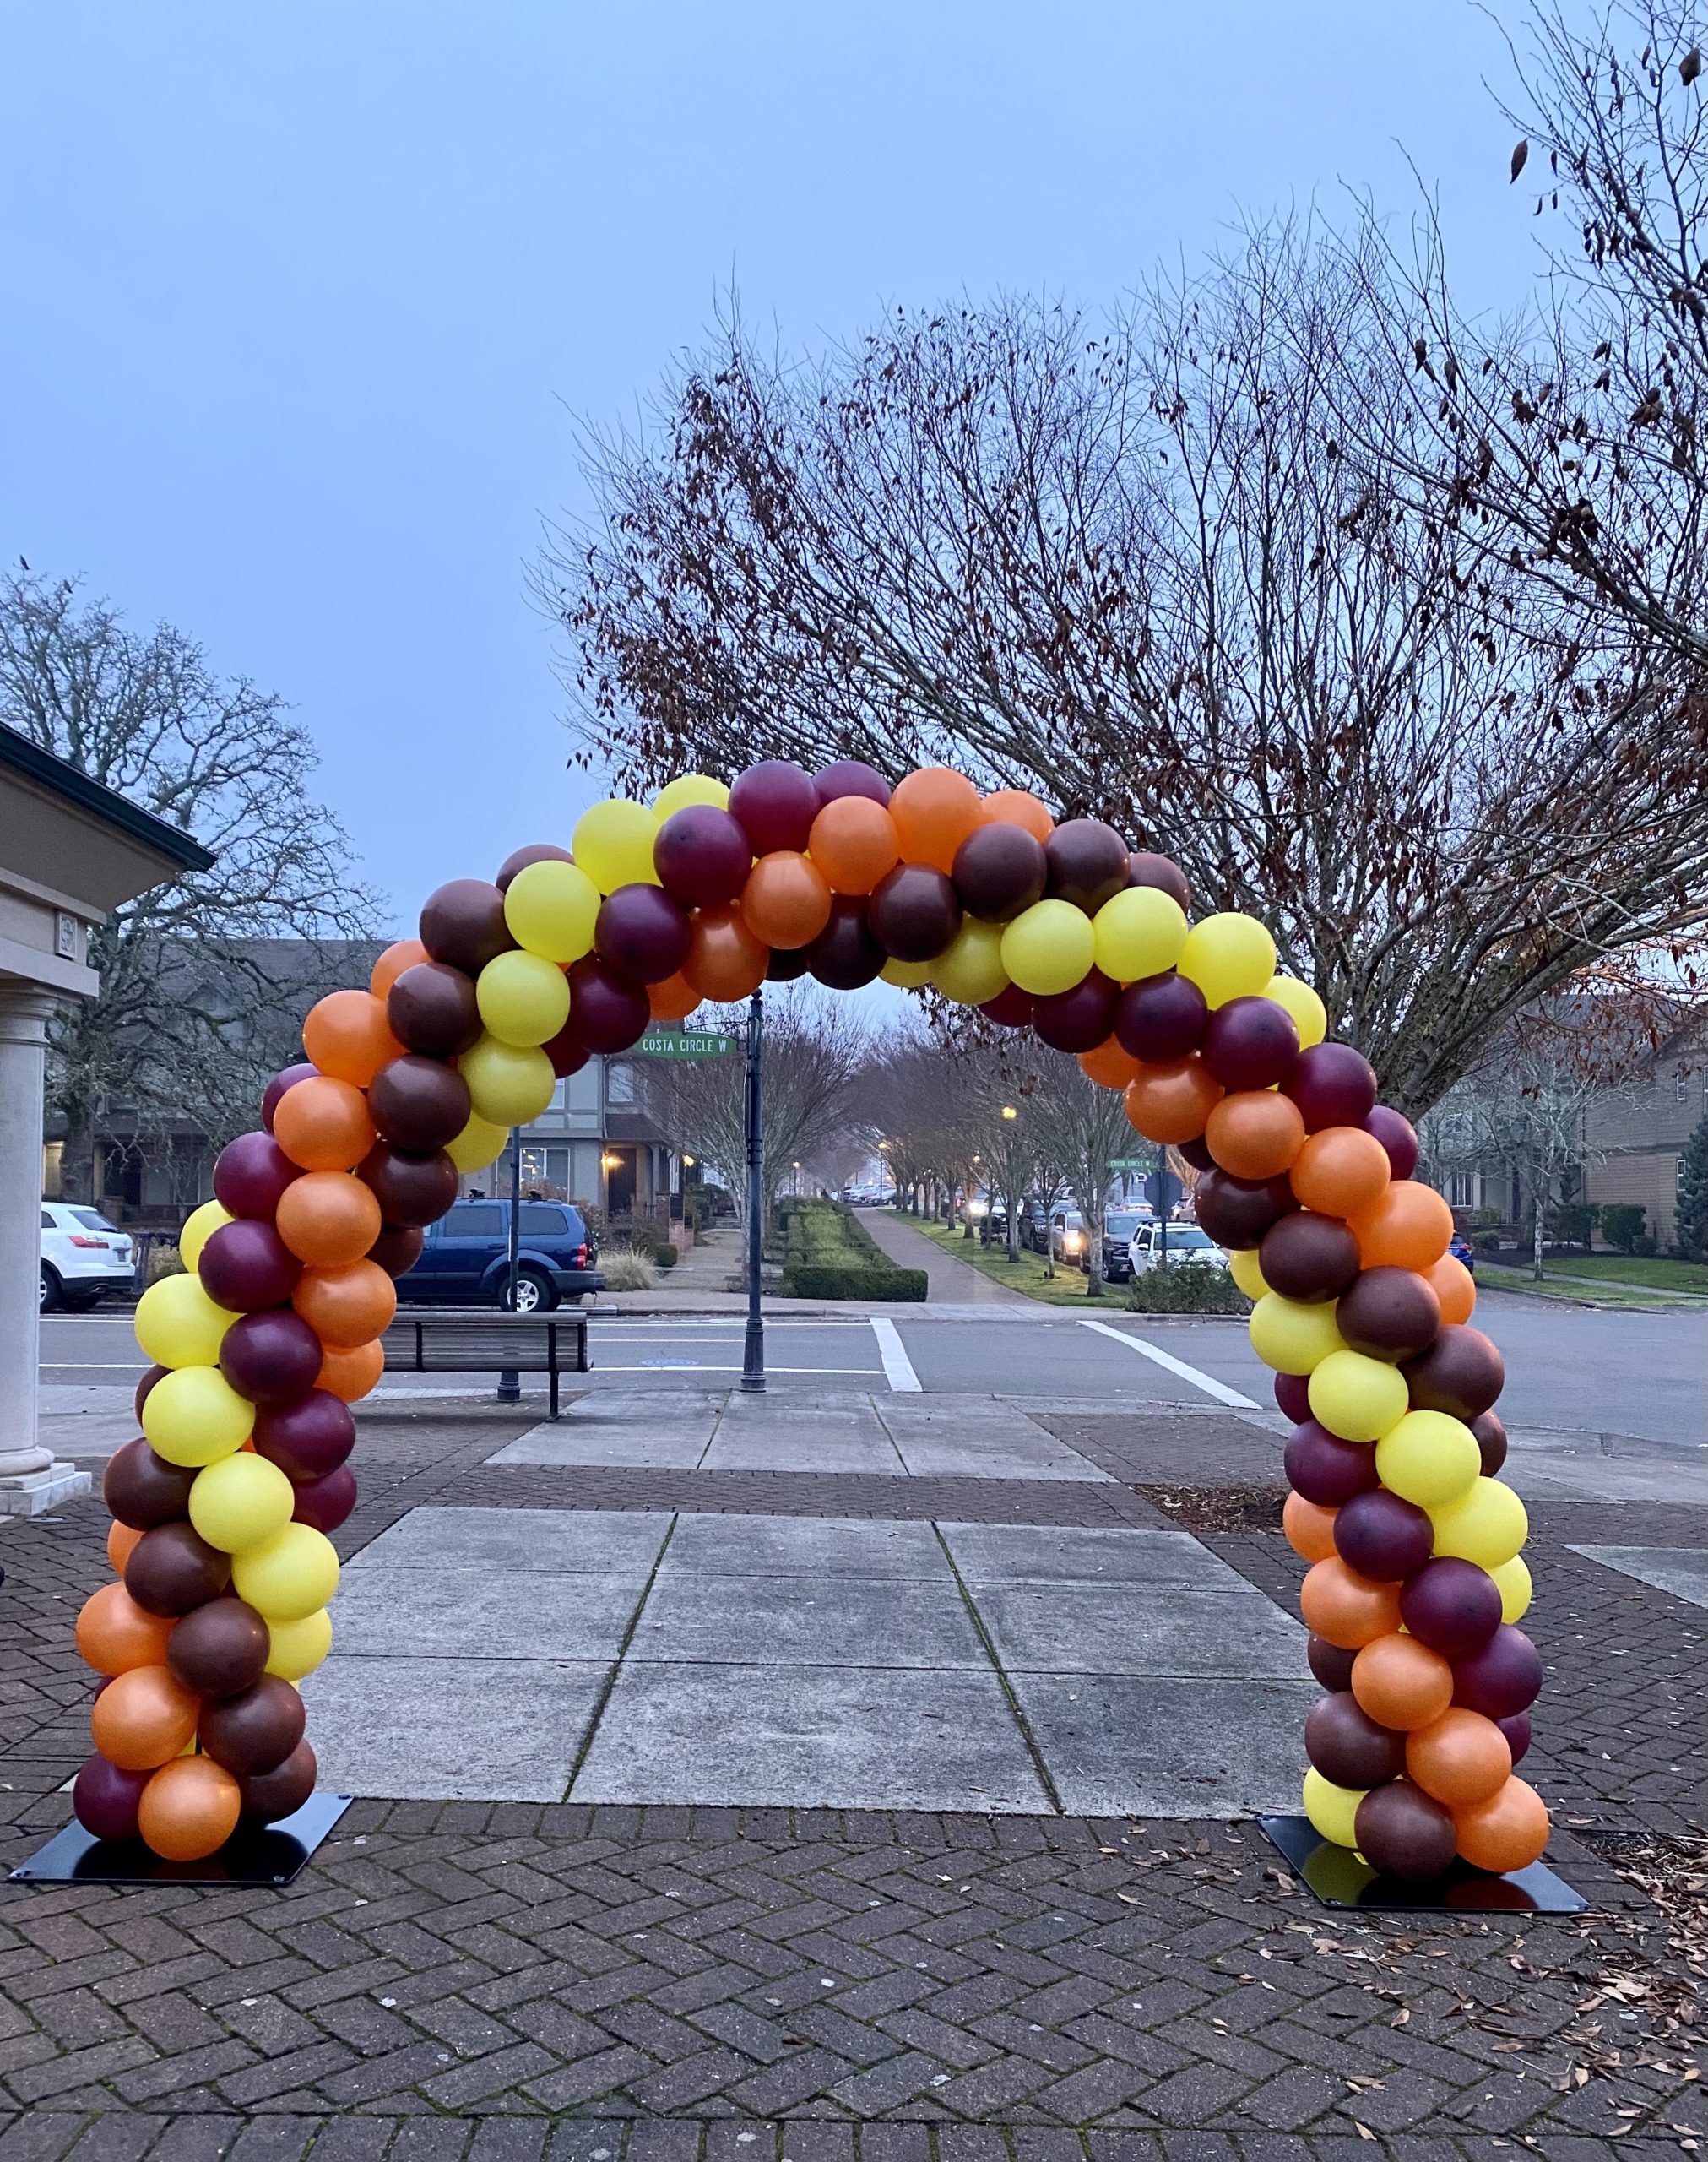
707,1366
1207,1382
899,1368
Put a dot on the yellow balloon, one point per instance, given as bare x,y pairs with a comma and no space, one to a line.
1428,1459
613,843
1292,1336
1138,933
479,1143
551,907
1228,956
911,975
177,1324
508,1083
1331,1809
1487,1524
523,1000
1513,1578
1309,1014
1242,1267
1049,947
194,1416
299,1647
686,789
290,1575
239,1501
971,970
1355,1397
199,1226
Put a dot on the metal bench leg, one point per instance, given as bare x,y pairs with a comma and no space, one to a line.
554,1388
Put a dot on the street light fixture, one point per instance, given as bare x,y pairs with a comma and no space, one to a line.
1009,1112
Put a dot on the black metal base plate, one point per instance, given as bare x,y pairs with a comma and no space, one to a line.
273,1854
1337,1878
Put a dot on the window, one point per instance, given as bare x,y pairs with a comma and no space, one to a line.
92,1220
475,1219
620,1084
47,1222
540,1220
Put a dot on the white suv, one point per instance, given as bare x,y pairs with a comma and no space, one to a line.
82,1256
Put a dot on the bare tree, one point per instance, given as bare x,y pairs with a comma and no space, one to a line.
195,974
1082,1127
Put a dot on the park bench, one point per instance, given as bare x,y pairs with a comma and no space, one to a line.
483,1340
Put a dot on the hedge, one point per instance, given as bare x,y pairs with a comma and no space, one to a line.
828,1253
841,1280
1190,1287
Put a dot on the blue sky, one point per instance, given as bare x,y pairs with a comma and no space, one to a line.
304,298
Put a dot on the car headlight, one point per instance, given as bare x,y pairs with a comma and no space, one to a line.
1072,1241
977,1207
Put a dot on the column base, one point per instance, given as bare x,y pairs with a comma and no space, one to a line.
34,1493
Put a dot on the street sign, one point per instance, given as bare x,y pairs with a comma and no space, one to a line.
685,1043
1163,1190
1130,1163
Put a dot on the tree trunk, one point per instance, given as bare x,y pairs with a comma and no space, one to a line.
1536,1246
77,1159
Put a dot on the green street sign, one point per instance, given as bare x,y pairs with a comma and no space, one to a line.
685,1043
1132,1163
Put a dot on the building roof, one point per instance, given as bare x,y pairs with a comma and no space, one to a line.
57,777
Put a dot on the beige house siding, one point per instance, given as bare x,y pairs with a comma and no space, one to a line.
1636,1140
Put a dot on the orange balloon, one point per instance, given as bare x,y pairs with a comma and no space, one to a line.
1171,1103
189,1808
853,842
1255,1134
120,1540
1340,1171
114,1633
1343,1608
393,961
1509,1831
351,1374
323,1125
1462,1758
347,1035
786,901
1455,1286
328,1219
1309,1529
1109,1066
346,1306
1401,1683
1017,807
935,809
1409,1226
726,961
673,1000
142,1717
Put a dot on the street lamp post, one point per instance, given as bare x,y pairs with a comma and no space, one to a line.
510,1380
753,1347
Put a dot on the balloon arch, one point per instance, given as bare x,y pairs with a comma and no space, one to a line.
222,1507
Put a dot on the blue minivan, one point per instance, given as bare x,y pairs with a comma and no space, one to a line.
465,1261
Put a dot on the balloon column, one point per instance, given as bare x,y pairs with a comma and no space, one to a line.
224,1503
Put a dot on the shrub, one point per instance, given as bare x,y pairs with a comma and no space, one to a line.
1575,1221
625,1270
1487,1243
1646,1247
1621,1224
665,1255
1191,1287
843,1280
828,1253
163,1261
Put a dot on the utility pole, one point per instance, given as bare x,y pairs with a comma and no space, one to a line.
753,1349
510,1380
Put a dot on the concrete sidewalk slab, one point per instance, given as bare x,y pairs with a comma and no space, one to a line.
1053,1554
664,1429
561,1542
826,1430
1141,1629
456,1612
813,1547
973,1438
1682,1571
805,1621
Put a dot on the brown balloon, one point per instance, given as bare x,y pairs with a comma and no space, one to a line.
1239,1211
519,858
1144,869
411,1190
397,1249
1389,1313
431,1008
145,1388
1347,1745
1461,1373
219,1649
1490,1432
143,1490
999,869
1088,863
270,1795
1402,1832
418,1103
913,913
1308,1257
463,923
172,1569
253,1732
1329,1663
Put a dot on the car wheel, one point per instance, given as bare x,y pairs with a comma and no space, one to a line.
53,1298
80,1302
534,1294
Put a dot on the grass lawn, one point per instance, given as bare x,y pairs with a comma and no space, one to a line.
1631,1269
1065,1288
1493,1278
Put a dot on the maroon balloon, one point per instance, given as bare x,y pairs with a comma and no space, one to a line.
774,804
1398,1136
1307,1258
844,955
271,1358
245,1266
1146,869
1196,1152
849,777
1079,1019
432,1008
1461,1373
1490,1434
145,1388
1010,1008
419,1104
1384,1539
1325,1469
143,1490
1516,1726
1331,1665
1346,1745
104,1799
219,1649
250,1174
703,856
277,1085
641,933
397,1249
324,1503
1389,1313
787,965
998,870
1250,1043
172,1568
1161,1019
607,1011
1501,1679
308,1438
255,1731
567,1051
1240,1212
913,913
533,852
462,925
1402,1832
1452,1606
268,1796
1087,863
1293,1396
411,1190
1333,1085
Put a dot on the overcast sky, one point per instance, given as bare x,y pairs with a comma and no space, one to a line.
302,299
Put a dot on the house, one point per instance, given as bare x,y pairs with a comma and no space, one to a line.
596,1143
1634,1142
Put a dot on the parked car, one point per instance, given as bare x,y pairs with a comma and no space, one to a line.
1120,1227
1067,1236
465,1261
82,1256
1185,1243
1462,1249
